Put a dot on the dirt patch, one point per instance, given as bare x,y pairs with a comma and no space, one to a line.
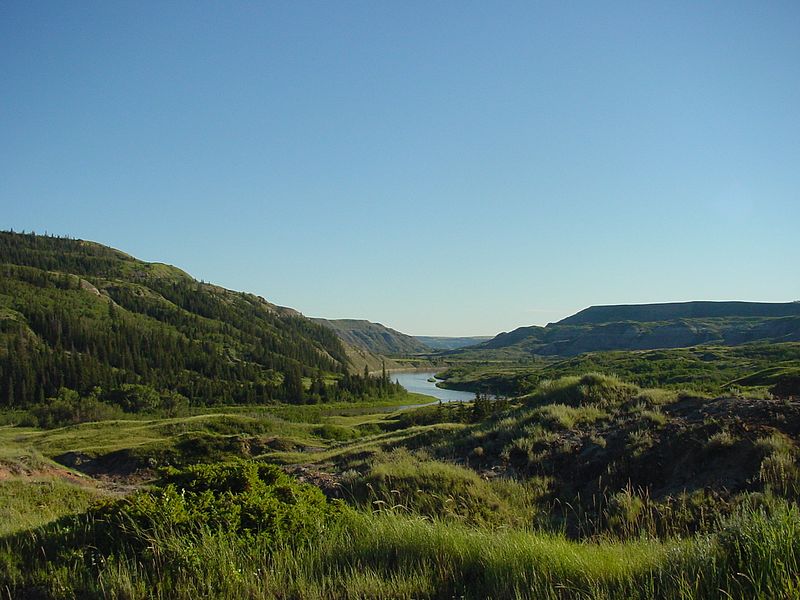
329,483
117,471
27,468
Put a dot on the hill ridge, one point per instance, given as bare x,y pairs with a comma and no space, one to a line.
653,326
694,309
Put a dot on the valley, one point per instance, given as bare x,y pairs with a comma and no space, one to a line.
166,437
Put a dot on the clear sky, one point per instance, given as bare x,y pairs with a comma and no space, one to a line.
445,168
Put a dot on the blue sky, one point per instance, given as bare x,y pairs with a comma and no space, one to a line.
441,167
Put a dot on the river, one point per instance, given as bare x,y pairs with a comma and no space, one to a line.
417,382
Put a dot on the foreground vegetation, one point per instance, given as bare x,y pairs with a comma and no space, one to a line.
566,492
246,530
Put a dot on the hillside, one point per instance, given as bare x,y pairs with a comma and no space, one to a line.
652,326
78,314
450,343
374,337
669,311
703,369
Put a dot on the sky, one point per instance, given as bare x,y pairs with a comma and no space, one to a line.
443,168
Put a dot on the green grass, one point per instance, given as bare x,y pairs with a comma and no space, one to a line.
707,369
295,426
416,484
30,502
34,490
566,417
360,555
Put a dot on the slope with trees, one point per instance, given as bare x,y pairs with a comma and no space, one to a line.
79,315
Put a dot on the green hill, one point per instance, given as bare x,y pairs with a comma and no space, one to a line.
78,314
374,337
652,326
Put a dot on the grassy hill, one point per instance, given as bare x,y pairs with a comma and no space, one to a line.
78,314
374,337
651,326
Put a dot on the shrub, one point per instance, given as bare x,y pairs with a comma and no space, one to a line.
336,433
245,498
135,398
69,408
779,471
654,417
566,417
721,439
639,441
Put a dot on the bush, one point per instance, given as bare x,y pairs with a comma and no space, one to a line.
69,408
134,398
560,416
336,433
245,498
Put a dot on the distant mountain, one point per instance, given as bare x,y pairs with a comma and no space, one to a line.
78,314
450,343
374,337
652,326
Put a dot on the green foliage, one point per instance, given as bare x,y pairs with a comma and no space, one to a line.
337,433
135,398
405,482
78,315
760,549
69,408
242,497
592,388
779,469
707,369
719,440
28,502
567,417
389,555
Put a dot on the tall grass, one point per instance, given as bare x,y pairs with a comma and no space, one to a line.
362,555
413,483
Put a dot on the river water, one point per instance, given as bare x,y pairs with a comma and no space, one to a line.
417,382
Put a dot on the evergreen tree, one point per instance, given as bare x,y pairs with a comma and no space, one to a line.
293,386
